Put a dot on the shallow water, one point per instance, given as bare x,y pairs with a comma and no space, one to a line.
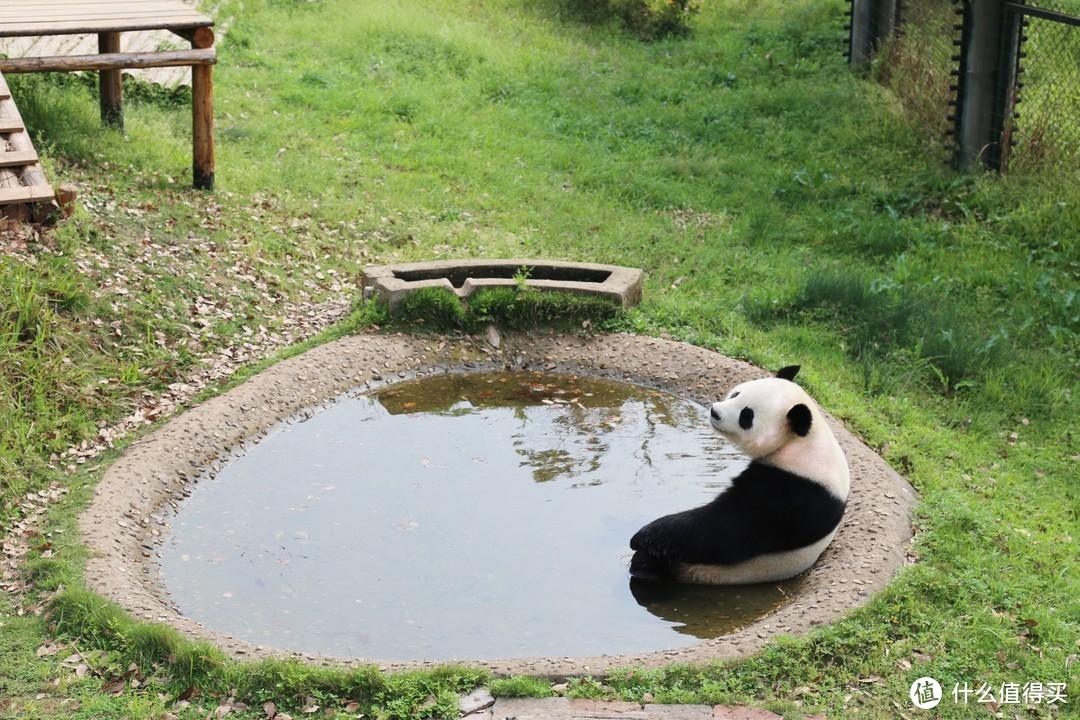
467,516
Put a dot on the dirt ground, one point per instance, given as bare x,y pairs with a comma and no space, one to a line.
131,506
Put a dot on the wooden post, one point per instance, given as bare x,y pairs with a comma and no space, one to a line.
988,86
202,127
111,84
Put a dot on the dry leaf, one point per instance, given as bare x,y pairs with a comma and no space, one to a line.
49,648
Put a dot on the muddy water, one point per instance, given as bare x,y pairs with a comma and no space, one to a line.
467,516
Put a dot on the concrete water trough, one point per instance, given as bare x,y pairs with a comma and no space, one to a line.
390,284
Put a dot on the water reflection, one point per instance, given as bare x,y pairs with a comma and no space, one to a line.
701,611
472,515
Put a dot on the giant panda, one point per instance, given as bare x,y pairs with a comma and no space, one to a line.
778,514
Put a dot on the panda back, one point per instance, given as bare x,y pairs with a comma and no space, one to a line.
765,510
776,510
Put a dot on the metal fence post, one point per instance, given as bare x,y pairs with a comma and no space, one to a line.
872,22
988,94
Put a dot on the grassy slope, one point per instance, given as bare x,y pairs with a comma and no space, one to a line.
783,208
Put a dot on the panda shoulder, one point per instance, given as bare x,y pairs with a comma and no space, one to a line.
775,486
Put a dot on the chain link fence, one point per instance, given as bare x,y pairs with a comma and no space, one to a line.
917,63
997,81
1046,126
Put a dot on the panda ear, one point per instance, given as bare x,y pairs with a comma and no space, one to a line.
788,373
799,419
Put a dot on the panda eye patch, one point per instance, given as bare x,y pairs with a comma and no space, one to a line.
746,418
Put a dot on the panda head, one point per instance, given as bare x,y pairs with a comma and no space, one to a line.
762,416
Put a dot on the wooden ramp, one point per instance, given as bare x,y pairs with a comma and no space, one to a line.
25,194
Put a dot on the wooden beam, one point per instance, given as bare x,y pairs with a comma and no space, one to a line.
109,61
200,38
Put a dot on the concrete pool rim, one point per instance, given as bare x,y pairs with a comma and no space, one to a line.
128,513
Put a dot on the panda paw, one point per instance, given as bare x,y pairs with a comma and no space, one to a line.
646,566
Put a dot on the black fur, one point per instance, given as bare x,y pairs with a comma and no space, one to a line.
789,372
766,510
800,419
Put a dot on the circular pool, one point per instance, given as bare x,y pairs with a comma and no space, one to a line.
406,501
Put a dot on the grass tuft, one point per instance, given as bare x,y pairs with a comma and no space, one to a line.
439,310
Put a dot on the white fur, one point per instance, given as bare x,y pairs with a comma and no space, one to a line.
817,456
787,432
763,568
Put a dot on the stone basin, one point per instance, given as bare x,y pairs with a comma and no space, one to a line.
390,284
129,512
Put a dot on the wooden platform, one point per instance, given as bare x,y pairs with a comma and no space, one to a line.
25,194
135,41
110,24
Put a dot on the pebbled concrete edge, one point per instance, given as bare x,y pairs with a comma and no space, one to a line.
390,284
122,523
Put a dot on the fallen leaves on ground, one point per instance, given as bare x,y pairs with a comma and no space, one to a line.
171,314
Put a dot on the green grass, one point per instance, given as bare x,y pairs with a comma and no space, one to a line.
784,210
518,308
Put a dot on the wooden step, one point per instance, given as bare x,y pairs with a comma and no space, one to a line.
15,158
25,193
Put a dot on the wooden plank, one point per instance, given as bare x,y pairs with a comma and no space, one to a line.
120,22
11,124
68,27
61,4
37,24
16,9
18,157
71,6
109,61
32,193
180,12
96,11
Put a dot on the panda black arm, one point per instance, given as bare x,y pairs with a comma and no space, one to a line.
766,510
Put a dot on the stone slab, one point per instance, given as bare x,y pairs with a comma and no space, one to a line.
678,712
740,712
477,700
581,709
521,708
